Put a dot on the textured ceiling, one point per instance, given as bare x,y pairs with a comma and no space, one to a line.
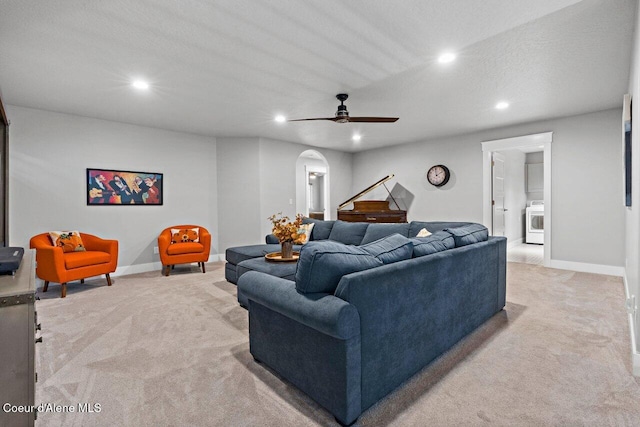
226,68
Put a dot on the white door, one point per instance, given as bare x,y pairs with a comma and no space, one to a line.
497,190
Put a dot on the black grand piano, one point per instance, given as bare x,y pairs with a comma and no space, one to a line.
372,210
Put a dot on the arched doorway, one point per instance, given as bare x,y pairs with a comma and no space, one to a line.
312,185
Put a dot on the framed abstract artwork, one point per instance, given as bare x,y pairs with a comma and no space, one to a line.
116,187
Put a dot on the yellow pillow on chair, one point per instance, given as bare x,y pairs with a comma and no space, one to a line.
185,235
69,241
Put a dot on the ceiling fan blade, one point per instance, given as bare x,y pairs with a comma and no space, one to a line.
373,119
333,119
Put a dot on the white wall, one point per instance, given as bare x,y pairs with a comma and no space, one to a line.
585,201
49,154
537,157
278,177
257,178
632,214
515,198
238,191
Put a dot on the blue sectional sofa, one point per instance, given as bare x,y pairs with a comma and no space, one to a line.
369,307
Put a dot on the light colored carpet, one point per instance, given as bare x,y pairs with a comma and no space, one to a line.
173,351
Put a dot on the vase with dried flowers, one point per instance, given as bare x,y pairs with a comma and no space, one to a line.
288,232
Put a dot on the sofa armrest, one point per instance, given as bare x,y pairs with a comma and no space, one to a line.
95,243
50,263
322,312
271,239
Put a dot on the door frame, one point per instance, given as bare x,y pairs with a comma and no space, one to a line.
325,194
540,140
493,206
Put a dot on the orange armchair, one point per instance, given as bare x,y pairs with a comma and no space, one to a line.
54,265
183,253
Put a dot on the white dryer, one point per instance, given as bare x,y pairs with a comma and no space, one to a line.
535,222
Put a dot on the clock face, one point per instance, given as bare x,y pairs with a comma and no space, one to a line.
438,175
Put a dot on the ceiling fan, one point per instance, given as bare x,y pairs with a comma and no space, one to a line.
342,115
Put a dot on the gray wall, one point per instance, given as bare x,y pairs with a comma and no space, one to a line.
584,199
515,198
50,152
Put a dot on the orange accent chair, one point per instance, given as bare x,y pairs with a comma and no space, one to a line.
183,253
54,265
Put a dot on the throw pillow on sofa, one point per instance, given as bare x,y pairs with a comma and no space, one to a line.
423,233
378,231
322,265
321,229
469,234
390,249
349,233
306,229
436,242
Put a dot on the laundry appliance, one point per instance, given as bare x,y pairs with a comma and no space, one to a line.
535,222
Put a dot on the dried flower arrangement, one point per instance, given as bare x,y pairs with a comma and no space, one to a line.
286,230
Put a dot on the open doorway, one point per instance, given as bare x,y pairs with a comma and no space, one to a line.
517,195
312,185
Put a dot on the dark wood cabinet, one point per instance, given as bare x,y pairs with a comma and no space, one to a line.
18,327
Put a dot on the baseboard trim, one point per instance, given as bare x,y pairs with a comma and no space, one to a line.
152,266
610,270
635,355
515,243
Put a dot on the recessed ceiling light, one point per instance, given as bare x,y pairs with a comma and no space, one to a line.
280,119
502,105
446,57
356,137
140,84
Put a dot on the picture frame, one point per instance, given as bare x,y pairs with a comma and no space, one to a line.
108,187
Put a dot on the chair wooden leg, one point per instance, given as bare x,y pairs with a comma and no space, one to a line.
202,267
168,270
81,281
63,290
108,279
46,286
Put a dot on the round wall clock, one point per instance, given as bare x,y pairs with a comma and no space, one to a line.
438,175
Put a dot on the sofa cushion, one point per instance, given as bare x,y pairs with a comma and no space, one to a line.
240,253
390,249
286,270
432,226
321,229
185,248
322,265
83,259
349,233
437,242
469,234
378,231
